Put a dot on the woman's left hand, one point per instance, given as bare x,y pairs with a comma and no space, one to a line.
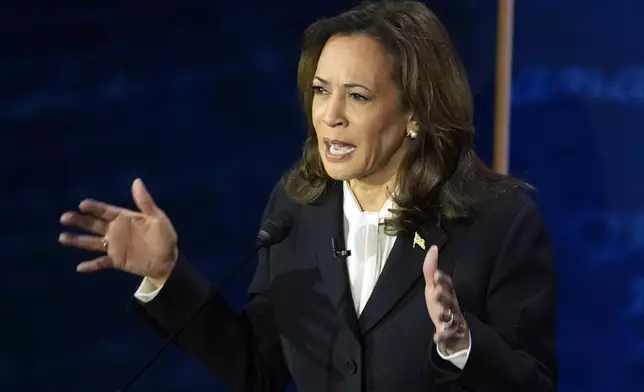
452,333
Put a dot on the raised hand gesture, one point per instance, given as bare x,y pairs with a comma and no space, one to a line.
452,333
143,243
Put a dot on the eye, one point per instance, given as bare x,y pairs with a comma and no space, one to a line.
358,97
318,90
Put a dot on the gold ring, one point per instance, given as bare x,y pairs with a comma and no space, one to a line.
105,244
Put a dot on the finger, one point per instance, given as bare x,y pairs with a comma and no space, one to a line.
444,298
87,242
443,336
143,199
441,278
445,331
446,315
85,222
430,265
97,264
104,211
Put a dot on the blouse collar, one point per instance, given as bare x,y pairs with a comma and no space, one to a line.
353,212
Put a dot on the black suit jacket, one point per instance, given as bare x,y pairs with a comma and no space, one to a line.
300,321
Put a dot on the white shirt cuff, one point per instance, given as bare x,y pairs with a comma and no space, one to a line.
147,291
459,358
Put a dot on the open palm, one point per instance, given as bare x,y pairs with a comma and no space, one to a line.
142,243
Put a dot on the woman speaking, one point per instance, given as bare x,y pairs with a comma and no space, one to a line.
441,276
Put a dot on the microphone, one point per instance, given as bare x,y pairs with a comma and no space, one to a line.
337,253
273,231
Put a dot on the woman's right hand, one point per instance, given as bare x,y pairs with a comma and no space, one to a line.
142,243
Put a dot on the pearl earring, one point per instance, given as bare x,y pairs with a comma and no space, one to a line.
412,134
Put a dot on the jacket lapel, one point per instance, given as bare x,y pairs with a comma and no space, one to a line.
403,268
324,219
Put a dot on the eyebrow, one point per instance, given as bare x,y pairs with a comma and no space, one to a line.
348,85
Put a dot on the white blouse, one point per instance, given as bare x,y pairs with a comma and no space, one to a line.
370,246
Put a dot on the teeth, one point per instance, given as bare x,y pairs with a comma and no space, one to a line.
338,149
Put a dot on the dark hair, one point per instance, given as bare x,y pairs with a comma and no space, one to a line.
440,175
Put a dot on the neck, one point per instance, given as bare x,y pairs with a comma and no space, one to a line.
371,197
373,191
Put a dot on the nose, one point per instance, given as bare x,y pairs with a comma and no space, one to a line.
334,114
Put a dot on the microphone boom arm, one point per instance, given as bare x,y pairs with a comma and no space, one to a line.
176,334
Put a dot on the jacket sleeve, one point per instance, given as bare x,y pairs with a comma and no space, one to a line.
243,350
513,348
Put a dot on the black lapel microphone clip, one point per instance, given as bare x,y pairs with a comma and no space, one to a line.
339,253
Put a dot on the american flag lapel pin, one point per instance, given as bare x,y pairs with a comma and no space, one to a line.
418,240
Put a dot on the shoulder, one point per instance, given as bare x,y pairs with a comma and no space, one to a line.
506,231
501,215
506,207
279,202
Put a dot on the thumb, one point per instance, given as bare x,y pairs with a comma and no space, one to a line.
430,265
143,199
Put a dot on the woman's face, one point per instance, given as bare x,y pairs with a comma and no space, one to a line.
357,114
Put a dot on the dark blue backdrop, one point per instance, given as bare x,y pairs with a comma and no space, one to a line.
198,98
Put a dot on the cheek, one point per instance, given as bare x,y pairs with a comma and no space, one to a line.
316,118
382,143
317,110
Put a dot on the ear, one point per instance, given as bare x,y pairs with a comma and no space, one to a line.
412,123
411,118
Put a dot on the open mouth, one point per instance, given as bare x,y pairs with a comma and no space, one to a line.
337,150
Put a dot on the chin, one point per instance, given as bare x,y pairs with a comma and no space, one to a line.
340,171
340,176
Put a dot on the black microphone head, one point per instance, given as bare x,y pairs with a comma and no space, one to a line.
274,229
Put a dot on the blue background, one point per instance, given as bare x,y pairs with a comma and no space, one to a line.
198,98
